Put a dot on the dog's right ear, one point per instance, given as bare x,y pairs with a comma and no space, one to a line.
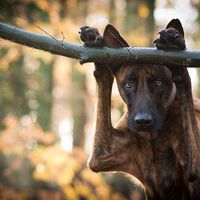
112,38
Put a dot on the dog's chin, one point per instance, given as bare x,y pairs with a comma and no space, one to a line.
147,133
138,130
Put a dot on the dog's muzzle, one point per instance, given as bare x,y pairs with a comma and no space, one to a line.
143,121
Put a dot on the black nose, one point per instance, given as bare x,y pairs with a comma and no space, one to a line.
143,120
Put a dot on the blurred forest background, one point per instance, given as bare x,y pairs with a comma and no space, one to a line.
47,102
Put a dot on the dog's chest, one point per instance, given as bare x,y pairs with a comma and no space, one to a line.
162,174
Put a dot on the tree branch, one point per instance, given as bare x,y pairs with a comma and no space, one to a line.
84,54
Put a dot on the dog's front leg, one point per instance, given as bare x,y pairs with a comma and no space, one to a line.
187,151
113,149
102,149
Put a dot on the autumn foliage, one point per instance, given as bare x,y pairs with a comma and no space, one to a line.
33,166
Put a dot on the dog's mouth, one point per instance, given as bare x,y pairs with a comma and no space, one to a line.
146,133
143,130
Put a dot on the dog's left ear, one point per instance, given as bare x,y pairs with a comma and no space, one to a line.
176,24
112,38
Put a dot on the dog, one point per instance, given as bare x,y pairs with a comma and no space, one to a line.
157,140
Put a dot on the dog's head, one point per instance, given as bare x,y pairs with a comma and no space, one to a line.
147,90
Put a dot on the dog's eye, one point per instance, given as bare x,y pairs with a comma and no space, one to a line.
158,83
128,84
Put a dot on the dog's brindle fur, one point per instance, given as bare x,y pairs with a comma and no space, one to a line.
157,139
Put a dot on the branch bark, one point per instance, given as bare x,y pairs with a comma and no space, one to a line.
84,54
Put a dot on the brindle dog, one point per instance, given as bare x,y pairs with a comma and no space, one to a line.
157,139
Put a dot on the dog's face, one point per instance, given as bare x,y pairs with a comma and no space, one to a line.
147,91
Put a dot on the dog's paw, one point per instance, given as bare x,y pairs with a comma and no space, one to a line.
170,39
91,37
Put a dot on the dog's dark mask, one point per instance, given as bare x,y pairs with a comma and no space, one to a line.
147,91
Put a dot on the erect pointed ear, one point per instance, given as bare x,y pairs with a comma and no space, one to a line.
112,38
176,24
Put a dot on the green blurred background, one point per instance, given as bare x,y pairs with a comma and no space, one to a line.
47,102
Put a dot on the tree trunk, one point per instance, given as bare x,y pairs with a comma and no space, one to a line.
78,107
